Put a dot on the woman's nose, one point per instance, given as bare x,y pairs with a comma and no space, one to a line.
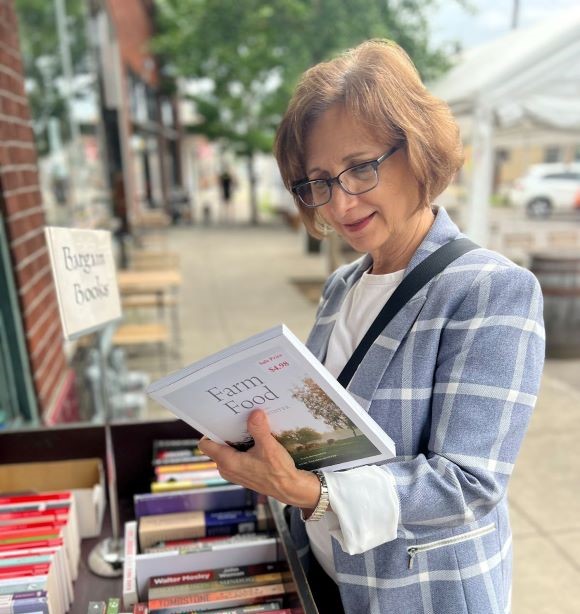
341,201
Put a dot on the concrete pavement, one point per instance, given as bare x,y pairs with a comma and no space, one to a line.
239,280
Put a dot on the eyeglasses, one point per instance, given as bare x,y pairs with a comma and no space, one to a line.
354,180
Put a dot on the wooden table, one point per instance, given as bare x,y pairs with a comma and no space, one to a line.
148,281
155,288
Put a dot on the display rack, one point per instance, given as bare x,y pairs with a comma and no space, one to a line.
132,445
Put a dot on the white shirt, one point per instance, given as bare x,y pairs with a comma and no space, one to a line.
364,500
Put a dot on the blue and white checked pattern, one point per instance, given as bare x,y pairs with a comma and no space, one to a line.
453,379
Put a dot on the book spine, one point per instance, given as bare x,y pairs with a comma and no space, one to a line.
180,458
209,575
214,599
186,485
182,467
230,497
221,584
268,606
140,608
130,596
113,604
97,607
189,476
25,606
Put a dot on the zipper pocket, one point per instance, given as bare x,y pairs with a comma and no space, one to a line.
448,541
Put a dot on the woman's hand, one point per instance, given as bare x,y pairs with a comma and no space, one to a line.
266,468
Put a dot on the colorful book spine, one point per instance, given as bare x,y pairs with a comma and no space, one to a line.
229,496
213,579
185,485
153,529
140,608
130,595
113,605
188,468
190,476
265,608
208,575
278,577
216,599
29,605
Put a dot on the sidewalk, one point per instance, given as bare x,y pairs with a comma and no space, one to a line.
238,281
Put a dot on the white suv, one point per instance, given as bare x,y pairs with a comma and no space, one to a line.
546,187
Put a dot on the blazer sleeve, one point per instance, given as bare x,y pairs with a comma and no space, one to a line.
487,376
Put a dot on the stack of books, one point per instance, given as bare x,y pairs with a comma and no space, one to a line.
39,552
248,588
179,465
193,529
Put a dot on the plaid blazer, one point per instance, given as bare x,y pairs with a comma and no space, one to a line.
453,380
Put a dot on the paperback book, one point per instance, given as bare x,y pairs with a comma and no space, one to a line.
310,413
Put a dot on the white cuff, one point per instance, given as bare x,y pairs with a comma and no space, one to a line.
366,505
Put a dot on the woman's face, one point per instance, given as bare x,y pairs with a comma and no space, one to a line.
383,222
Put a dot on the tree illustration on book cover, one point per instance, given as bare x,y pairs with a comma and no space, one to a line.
341,442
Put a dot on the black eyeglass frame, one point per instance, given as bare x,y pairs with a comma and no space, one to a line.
332,180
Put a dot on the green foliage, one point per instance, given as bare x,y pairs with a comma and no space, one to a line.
251,53
301,436
321,406
42,63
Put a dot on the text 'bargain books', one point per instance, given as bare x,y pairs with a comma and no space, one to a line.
310,413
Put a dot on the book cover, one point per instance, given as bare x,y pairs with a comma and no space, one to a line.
311,414
113,604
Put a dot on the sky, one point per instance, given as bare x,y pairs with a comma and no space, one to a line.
492,19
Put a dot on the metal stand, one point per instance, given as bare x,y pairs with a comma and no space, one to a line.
106,558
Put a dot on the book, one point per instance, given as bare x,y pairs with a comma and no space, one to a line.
164,487
156,528
139,567
227,496
310,413
130,596
204,544
263,608
215,579
113,604
215,599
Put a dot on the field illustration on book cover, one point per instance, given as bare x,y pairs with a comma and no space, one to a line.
303,417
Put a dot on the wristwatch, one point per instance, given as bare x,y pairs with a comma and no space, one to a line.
323,502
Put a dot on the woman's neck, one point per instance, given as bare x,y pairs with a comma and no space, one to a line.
396,257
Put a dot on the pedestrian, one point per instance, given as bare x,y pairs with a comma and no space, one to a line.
227,184
453,378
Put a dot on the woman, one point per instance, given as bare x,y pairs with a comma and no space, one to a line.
453,377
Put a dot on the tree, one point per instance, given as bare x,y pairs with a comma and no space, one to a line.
250,55
42,62
303,436
321,406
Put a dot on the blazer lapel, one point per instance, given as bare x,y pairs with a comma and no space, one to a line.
376,361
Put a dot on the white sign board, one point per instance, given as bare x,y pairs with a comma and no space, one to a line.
85,278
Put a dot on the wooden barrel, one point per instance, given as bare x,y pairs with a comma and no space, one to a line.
559,277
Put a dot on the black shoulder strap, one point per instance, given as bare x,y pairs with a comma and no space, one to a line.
405,291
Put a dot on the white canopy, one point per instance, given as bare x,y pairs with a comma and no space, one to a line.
530,75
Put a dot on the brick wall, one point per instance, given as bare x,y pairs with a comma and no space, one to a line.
21,203
134,30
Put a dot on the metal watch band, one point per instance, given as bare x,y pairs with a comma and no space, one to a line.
323,502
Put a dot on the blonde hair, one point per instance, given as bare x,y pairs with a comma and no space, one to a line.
378,85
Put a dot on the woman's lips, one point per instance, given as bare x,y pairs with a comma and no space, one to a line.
359,224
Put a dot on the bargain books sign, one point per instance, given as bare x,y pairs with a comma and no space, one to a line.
85,278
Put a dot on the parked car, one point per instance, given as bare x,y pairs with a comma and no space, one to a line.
547,187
